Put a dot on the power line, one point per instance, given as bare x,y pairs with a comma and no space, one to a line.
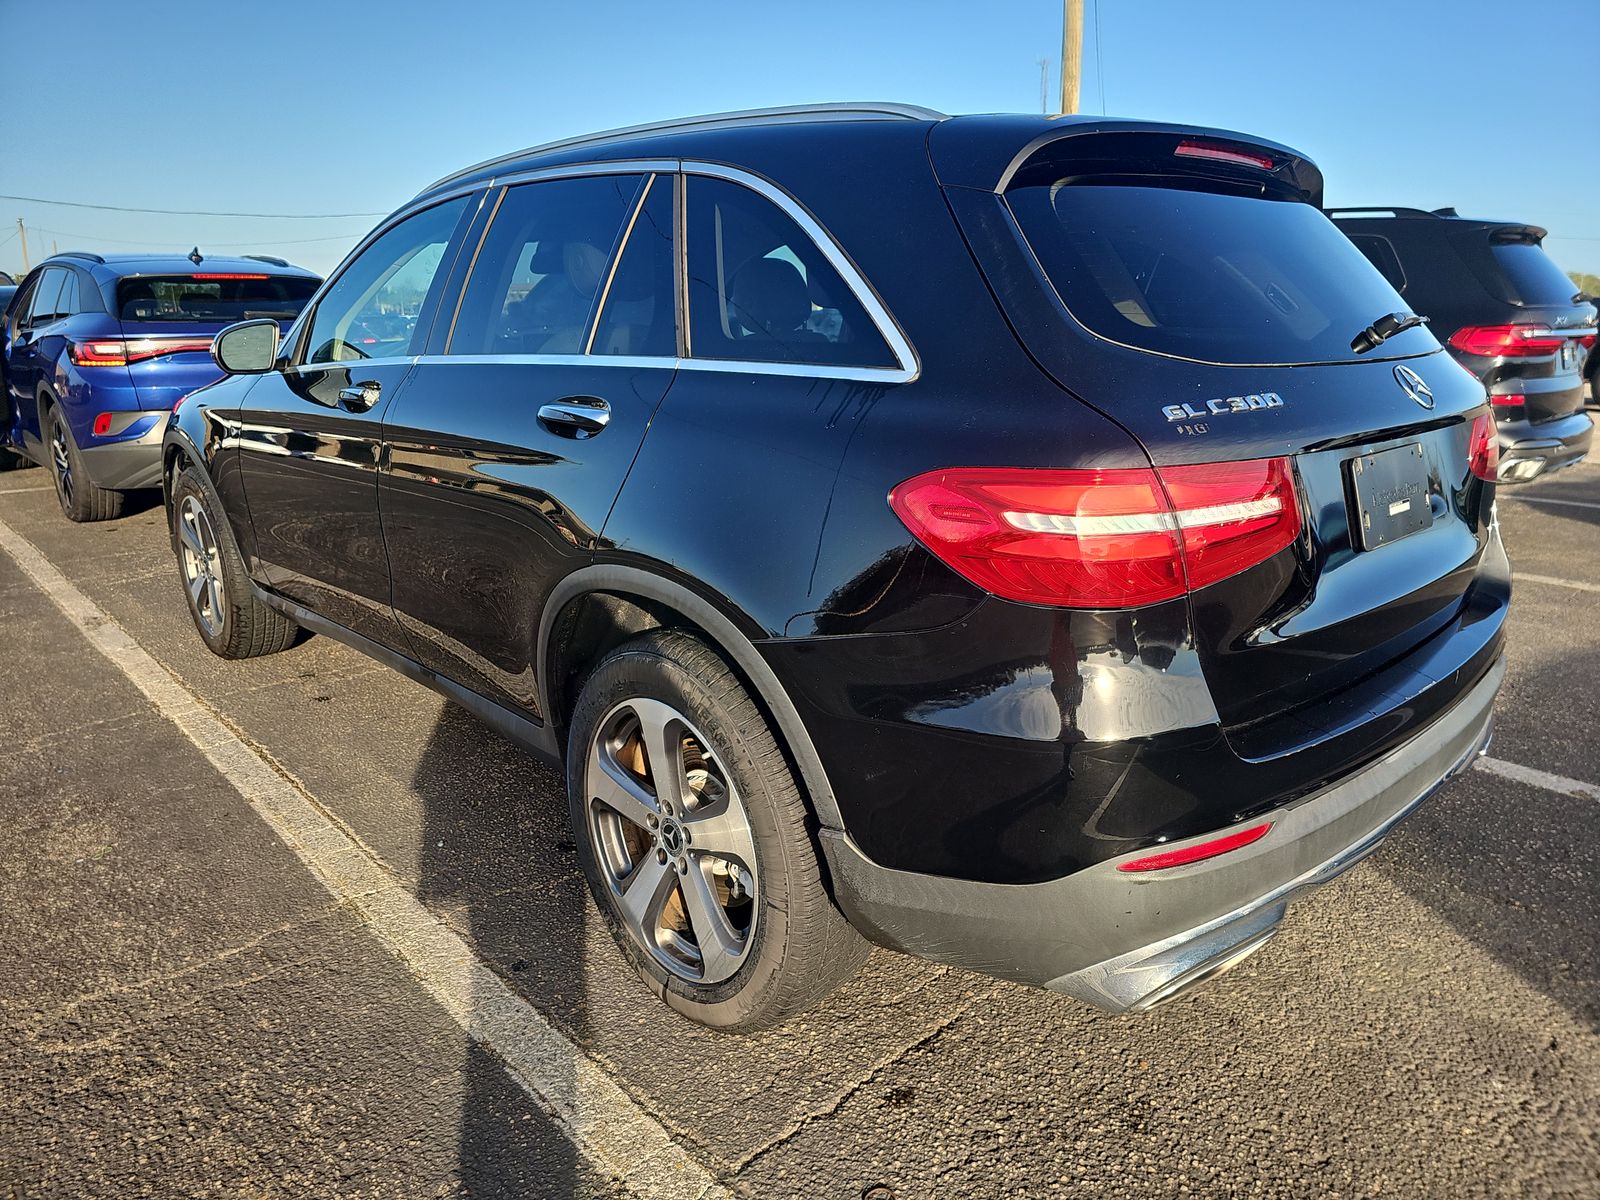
95,237
1099,63
181,212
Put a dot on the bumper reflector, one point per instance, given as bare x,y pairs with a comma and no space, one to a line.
1196,853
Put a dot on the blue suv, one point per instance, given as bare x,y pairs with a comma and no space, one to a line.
95,351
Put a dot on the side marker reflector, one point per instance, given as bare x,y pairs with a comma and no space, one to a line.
1197,853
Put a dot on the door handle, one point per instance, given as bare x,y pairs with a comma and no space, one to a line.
362,396
576,416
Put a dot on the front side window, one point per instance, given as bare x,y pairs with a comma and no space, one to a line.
539,271
760,290
371,310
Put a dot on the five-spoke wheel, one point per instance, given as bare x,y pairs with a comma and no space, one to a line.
672,835
200,559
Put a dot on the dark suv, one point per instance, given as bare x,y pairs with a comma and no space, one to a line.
974,535
1508,314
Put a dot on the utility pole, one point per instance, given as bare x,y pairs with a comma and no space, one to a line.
1071,55
1044,85
23,230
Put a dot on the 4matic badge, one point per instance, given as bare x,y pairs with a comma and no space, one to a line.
1222,406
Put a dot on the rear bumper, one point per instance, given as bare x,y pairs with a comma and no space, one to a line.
1529,450
127,465
1125,942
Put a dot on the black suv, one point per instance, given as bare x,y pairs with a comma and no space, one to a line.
973,535
1508,314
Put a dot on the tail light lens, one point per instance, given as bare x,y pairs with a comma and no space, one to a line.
120,352
1211,151
102,425
1507,341
1101,538
110,353
1483,449
1509,400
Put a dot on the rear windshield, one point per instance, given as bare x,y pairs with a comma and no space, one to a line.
211,297
1203,275
1530,276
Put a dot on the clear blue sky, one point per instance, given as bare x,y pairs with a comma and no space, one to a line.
334,107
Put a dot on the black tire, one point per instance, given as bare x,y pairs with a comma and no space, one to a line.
241,626
81,500
798,947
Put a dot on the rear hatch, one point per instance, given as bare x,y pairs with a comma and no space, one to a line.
169,320
1530,348
1186,285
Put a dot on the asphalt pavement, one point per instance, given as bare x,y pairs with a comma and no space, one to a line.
409,994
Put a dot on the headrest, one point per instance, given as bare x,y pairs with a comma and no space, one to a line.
770,295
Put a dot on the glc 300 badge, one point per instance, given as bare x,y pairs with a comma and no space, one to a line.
1222,406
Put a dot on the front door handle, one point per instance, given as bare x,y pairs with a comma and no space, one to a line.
362,396
576,416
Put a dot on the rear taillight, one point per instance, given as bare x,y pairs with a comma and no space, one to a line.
1483,448
1507,341
102,425
1587,341
97,354
1509,400
1108,538
1199,852
120,352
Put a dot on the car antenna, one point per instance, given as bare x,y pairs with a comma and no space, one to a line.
195,256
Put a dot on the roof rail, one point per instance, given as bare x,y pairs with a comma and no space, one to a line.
842,111
1391,210
94,258
269,259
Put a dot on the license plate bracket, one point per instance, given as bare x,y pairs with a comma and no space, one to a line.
1390,493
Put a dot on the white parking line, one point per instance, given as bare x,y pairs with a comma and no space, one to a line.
1559,784
1557,581
18,491
603,1122
1551,500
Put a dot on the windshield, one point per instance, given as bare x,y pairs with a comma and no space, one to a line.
1216,277
213,296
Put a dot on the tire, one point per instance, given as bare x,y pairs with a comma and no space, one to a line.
227,614
80,499
779,945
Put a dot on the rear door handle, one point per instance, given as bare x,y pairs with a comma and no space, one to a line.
576,416
362,396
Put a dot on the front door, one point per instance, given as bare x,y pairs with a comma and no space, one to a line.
511,441
310,434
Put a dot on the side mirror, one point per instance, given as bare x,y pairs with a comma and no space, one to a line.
248,348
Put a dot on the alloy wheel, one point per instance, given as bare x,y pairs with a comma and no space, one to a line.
202,565
61,461
673,840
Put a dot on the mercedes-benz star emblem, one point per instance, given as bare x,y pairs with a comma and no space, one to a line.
1411,384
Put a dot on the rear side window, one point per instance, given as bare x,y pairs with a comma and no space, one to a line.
1380,253
1527,275
67,302
637,311
1206,275
539,271
760,290
212,296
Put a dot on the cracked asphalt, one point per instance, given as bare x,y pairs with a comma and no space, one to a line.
187,1012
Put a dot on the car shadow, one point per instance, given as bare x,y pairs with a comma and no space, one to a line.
497,865
1511,867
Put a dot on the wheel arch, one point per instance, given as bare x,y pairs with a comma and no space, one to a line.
599,607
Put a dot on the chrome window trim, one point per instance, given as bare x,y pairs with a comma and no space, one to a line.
727,366
350,364
899,345
909,366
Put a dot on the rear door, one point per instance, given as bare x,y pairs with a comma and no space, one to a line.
1188,290
310,434
509,444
